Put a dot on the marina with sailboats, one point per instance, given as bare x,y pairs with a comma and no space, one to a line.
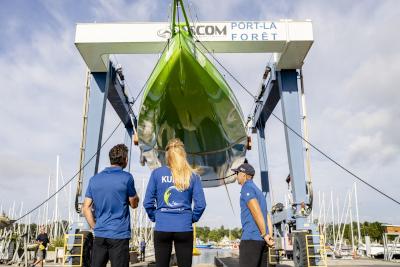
347,239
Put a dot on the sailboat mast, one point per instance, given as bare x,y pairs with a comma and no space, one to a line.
69,204
351,223
333,216
47,203
56,207
358,218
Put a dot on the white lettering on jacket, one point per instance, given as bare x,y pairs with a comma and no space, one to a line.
166,179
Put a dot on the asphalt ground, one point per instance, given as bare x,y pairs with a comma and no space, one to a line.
233,262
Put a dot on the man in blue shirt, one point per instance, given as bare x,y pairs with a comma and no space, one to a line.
253,215
109,194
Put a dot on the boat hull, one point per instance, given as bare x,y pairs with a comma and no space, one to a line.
186,97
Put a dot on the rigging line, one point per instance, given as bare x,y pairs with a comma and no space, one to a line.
130,105
185,17
145,84
195,13
179,28
225,69
120,65
73,177
191,15
190,11
168,14
335,162
251,114
217,179
129,89
125,81
210,151
229,197
230,74
309,143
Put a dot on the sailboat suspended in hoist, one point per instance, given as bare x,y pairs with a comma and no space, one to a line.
186,97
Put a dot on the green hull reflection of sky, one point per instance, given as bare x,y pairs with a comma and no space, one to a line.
186,97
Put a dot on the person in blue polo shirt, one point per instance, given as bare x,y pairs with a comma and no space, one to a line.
168,202
253,216
110,193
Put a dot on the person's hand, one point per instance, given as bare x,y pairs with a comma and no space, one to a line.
269,240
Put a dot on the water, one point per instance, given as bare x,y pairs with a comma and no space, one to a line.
208,255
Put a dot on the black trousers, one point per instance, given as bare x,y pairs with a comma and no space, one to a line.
253,253
183,242
142,254
115,250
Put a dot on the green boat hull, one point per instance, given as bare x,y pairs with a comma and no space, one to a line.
186,97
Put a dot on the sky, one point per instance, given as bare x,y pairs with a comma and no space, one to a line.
350,77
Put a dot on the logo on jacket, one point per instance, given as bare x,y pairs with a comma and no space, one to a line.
170,193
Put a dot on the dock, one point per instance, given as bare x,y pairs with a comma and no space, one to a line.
234,262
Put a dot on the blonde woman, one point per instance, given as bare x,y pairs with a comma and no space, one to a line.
168,202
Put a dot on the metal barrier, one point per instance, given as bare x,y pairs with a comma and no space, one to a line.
321,252
69,247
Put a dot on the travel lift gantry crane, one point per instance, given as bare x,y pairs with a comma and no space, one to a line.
288,40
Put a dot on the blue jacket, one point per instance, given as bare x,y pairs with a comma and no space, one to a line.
170,208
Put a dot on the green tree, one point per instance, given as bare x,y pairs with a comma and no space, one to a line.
215,236
236,233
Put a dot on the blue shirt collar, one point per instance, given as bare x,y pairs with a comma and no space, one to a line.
248,182
113,168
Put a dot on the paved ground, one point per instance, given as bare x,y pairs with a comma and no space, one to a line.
233,262
362,263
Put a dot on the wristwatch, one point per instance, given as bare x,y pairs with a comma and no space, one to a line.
263,235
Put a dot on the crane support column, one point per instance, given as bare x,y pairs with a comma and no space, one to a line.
94,128
108,85
105,86
291,224
288,89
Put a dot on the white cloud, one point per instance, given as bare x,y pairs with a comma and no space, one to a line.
371,149
139,10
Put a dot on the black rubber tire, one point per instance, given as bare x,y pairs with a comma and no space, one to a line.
300,250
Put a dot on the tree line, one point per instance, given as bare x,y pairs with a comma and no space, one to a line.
373,229
205,234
